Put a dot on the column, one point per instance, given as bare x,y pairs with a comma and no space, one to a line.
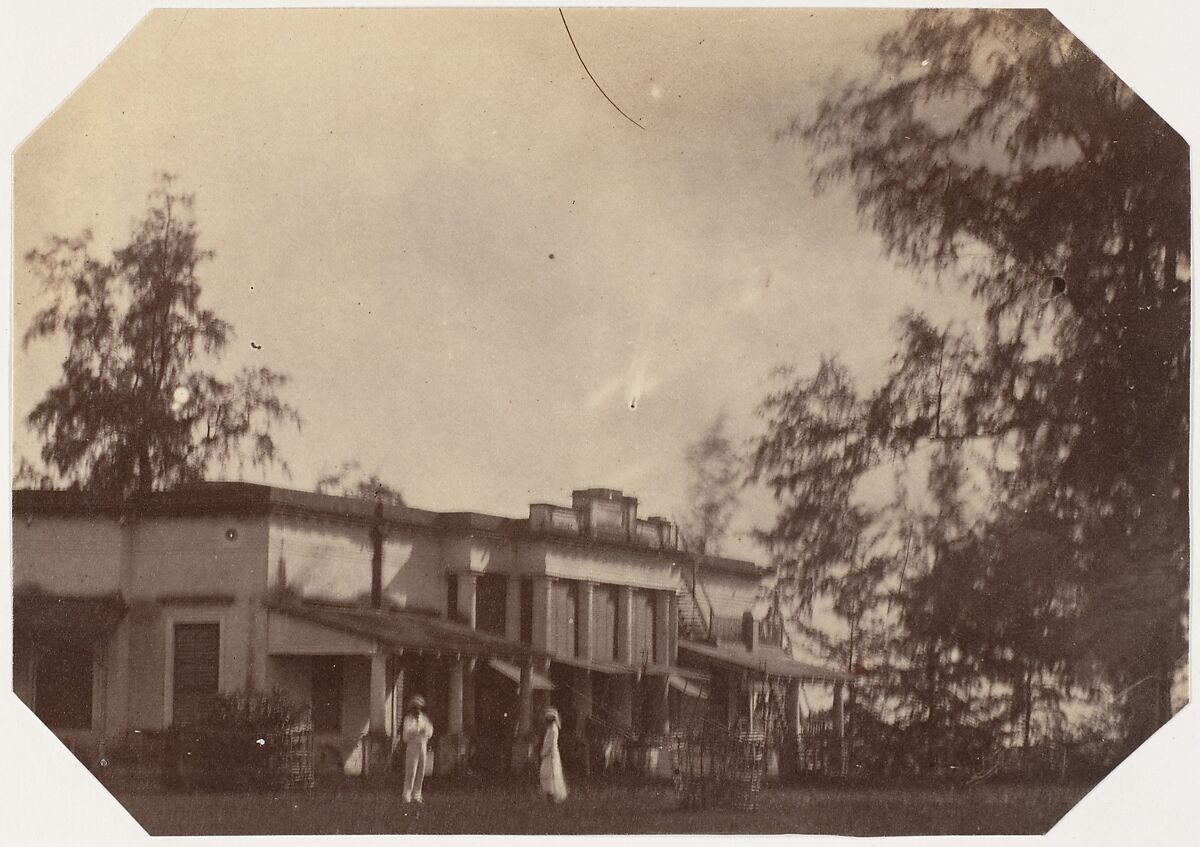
525,708
792,707
733,700
542,587
451,747
673,628
658,688
582,682
375,742
625,625
792,718
512,607
521,749
466,597
587,617
397,696
582,699
622,703
454,713
469,698
378,707
663,626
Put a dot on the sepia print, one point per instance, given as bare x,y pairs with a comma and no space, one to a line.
562,421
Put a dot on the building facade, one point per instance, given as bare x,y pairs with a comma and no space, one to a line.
130,616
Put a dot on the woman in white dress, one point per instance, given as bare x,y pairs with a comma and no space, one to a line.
554,787
415,732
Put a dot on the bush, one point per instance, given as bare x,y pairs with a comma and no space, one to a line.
244,743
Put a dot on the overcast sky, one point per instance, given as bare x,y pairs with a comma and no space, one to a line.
485,283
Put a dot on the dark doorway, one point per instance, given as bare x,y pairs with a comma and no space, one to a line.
491,603
495,720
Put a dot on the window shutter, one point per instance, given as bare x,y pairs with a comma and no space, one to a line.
196,665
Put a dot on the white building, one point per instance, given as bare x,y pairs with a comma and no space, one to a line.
130,615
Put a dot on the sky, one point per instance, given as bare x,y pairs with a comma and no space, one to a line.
325,184
486,284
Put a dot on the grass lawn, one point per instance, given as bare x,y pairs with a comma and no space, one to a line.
981,809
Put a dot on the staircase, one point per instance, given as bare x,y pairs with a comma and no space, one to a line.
693,625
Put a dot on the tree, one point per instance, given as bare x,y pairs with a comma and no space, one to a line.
994,146
132,411
716,475
1025,598
815,450
348,480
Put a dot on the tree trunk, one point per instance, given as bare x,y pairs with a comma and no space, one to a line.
1027,696
931,674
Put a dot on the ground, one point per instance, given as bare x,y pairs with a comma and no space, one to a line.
981,809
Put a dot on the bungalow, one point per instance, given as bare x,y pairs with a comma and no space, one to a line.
131,615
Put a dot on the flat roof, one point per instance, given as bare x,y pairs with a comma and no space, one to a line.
249,498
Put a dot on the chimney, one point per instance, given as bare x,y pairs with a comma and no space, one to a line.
377,558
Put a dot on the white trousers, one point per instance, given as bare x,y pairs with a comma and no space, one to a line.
414,770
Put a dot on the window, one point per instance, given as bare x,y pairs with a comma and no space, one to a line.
63,698
491,603
526,610
452,596
326,694
196,665
604,621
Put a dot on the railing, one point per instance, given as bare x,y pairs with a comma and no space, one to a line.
554,519
655,534
649,535
727,630
703,601
815,748
691,620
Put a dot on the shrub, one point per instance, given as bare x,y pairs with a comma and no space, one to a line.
244,743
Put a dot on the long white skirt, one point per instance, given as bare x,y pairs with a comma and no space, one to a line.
551,776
